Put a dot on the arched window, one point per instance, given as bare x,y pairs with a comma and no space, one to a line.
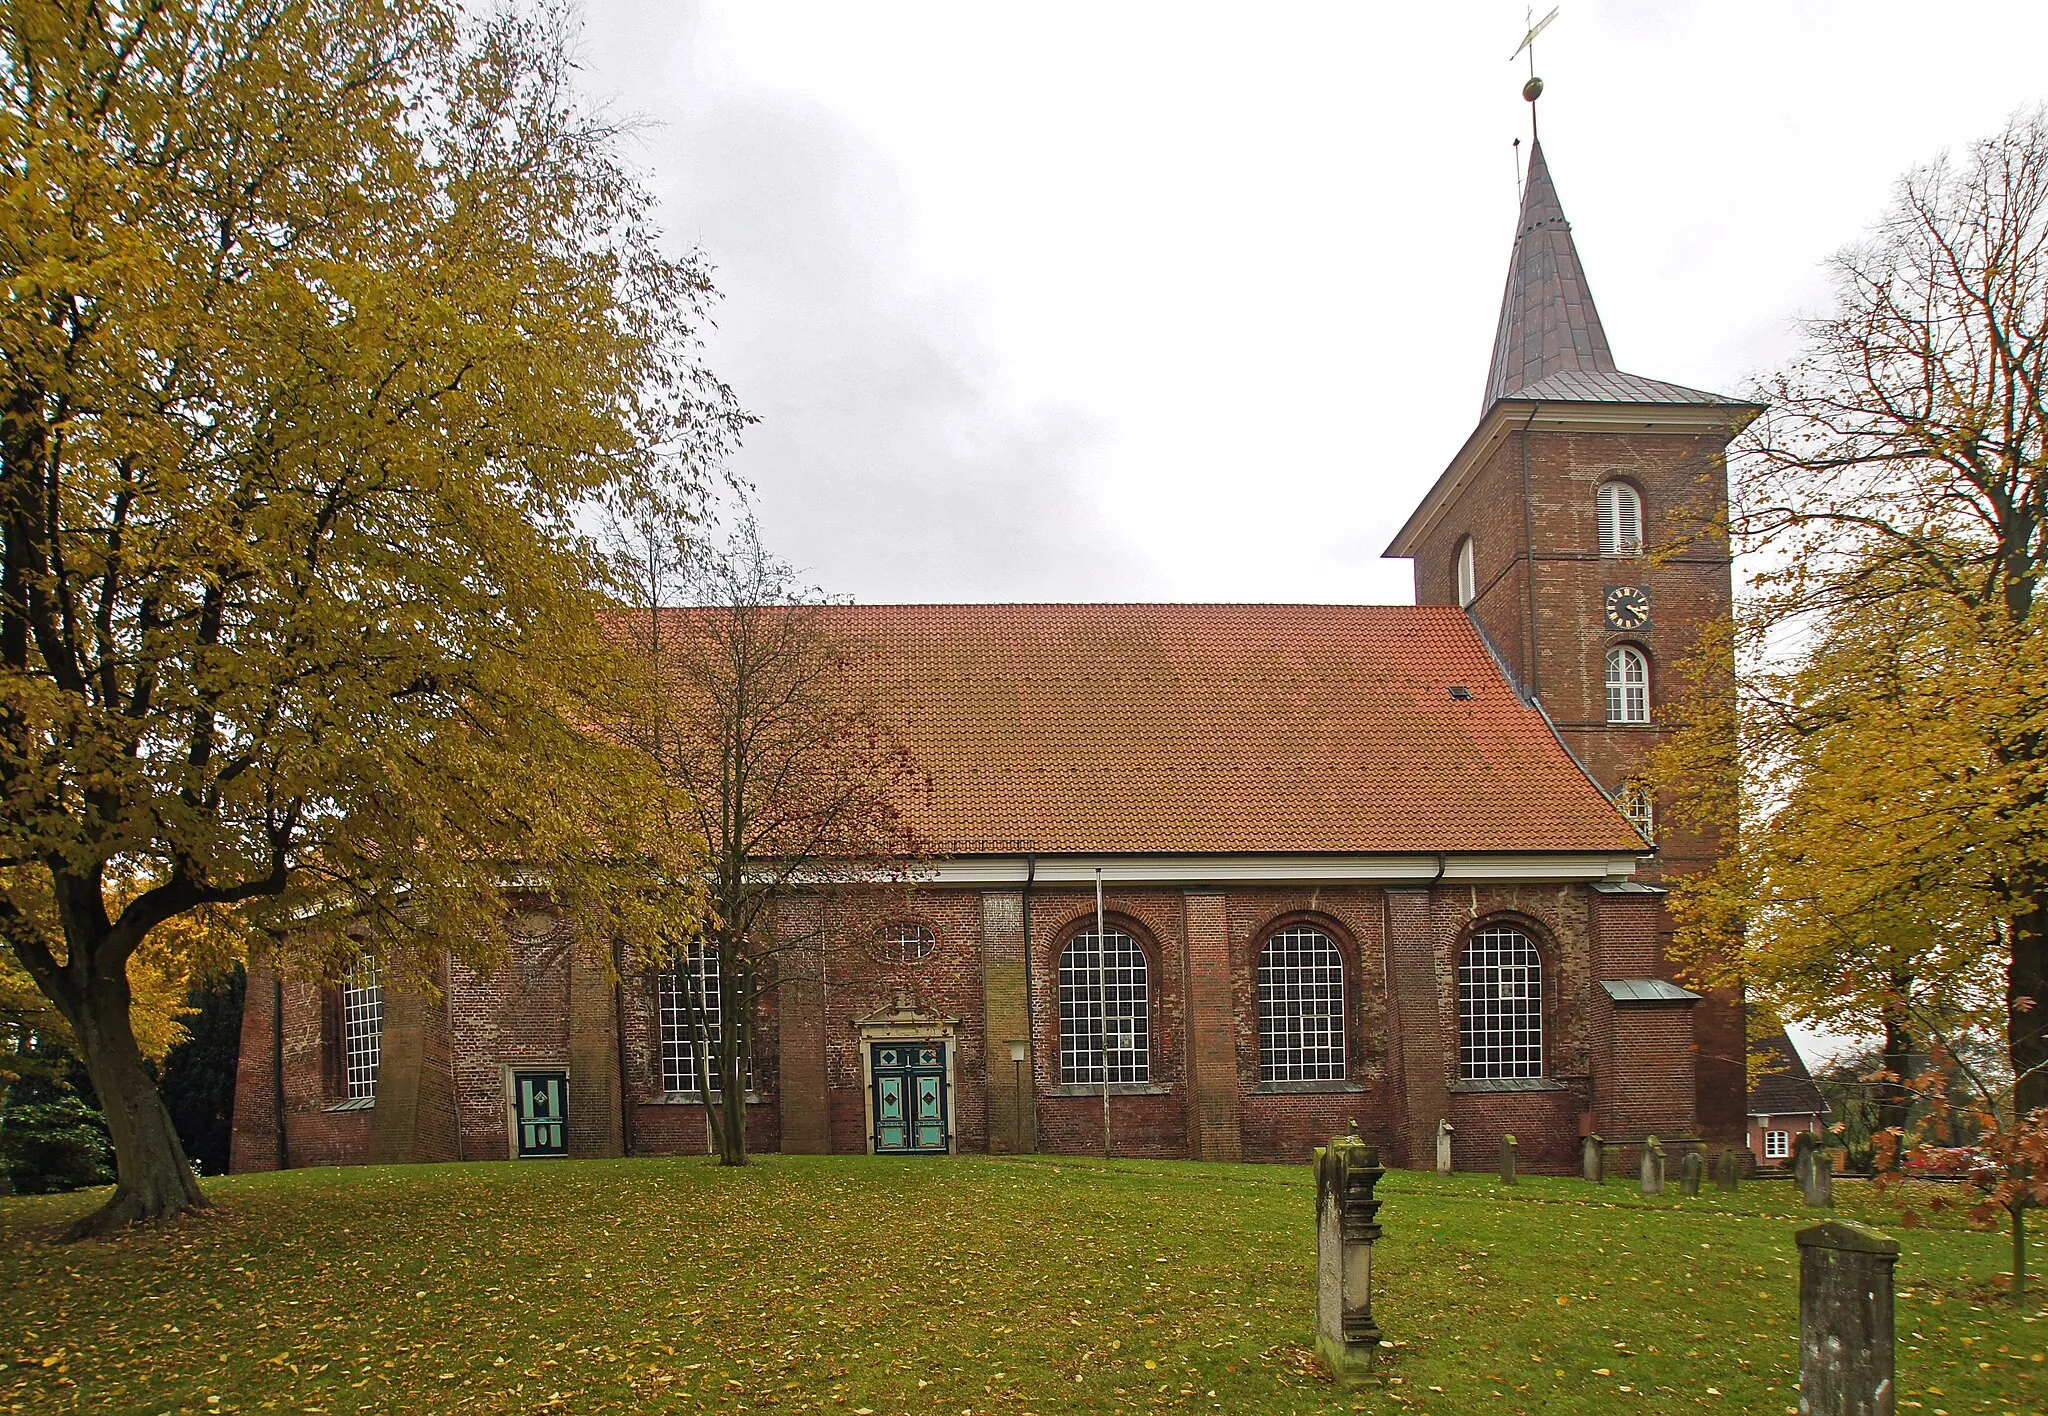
1500,1006
687,998
1301,1007
362,1028
1621,519
1635,805
1468,579
1099,976
1628,685
905,942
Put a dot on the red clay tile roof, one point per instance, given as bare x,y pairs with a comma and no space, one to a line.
1212,729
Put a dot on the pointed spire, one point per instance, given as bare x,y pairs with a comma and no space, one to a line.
1547,321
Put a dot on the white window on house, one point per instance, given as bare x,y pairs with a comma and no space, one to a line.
904,943
362,1030
1301,1008
1468,578
687,998
1621,519
1104,979
1628,685
1777,1145
1500,1007
1641,814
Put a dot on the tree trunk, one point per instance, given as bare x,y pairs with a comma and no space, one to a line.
734,1013
2019,1248
153,1179
2026,996
1894,1097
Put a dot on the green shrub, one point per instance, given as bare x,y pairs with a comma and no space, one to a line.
53,1144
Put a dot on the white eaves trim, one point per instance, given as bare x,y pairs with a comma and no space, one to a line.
1417,869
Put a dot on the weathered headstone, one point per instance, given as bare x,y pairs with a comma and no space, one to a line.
1728,1173
1507,1160
1653,1167
1346,1336
1443,1146
1811,1169
1690,1170
1593,1159
1845,1320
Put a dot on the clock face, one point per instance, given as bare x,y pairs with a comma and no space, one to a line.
1628,606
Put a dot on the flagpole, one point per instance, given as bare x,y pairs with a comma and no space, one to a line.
1102,1002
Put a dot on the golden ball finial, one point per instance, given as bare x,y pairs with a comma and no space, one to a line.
1533,90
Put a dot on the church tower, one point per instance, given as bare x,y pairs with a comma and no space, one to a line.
1581,526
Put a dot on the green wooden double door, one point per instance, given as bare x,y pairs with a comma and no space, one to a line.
908,1098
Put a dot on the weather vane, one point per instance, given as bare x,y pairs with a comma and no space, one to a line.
1532,90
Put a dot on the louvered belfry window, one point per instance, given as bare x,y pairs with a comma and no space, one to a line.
362,1029
1621,520
1468,578
1301,1008
1628,685
1500,1007
1098,975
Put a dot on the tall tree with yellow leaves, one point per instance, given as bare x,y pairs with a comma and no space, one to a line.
1882,758
320,323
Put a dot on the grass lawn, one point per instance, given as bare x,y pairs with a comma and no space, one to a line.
979,1285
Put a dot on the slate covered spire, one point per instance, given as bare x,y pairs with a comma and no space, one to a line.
1547,321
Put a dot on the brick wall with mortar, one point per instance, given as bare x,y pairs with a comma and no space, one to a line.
1545,1123
1401,1050
1682,480
1280,1124
664,1124
414,1121
1070,1118
315,1133
253,1142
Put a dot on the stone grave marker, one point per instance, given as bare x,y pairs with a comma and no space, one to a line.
1690,1170
1443,1146
1729,1172
1346,1335
1507,1160
1810,1168
1653,1167
1593,1159
1845,1320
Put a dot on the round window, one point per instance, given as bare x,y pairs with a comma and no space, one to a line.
905,943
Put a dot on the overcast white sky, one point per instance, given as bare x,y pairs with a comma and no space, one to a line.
1188,301
1193,301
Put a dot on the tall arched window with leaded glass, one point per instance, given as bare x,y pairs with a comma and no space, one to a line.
1301,1007
1105,1010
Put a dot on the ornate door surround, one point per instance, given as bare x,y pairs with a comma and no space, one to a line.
908,1054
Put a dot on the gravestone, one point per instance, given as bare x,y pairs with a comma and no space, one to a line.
1593,1159
1845,1320
1443,1146
1727,1174
1689,1172
1653,1167
1507,1160
1810,1168
1346,1336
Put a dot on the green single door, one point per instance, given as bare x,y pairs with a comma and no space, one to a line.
909,1100
540,1099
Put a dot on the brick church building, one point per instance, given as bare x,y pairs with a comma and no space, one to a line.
1377,863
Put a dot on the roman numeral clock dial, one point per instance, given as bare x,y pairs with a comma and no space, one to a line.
1627,607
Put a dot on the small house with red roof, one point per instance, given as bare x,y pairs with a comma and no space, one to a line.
1390,865
1783,1102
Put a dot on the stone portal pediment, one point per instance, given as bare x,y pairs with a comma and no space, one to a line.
904,1013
